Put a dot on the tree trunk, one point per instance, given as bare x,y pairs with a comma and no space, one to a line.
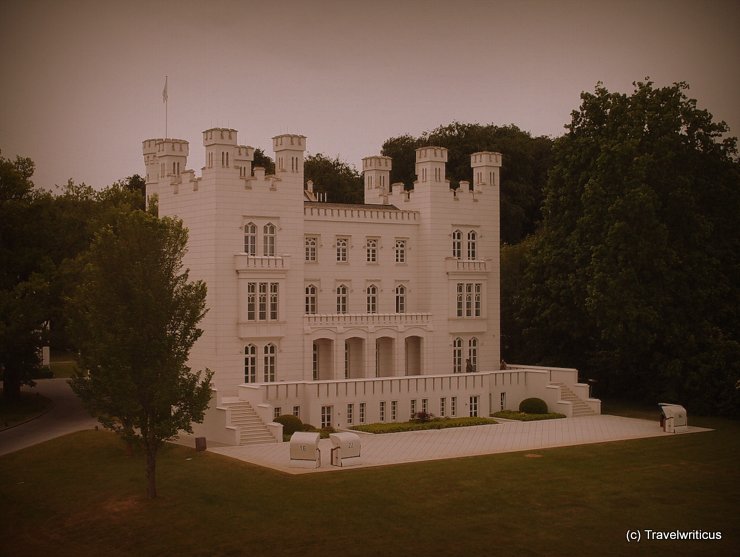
151,468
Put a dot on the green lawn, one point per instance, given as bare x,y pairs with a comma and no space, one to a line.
82,495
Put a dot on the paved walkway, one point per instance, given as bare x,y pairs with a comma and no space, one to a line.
397,448
65,416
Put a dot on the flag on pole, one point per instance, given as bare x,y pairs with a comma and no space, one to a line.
164,91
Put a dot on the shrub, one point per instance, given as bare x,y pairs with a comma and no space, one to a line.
533,406
422,417
291,423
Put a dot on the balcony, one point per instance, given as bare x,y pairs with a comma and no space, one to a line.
466,265
255,263
338,321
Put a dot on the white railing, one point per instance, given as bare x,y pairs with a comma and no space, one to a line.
464,265
366,319
244,262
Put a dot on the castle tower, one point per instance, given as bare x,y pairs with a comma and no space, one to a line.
430,164
377,171
289,149
172,156
486,169
220,144
243,158
149,148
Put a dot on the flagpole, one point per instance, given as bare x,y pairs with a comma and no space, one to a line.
165,99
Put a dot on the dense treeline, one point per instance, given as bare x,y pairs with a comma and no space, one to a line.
41,235
633,276
526,160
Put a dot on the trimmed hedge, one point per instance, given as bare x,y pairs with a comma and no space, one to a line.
522,417
291,424
533,406
437,423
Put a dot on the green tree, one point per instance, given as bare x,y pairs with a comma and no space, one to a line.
263,160
135,317
634,273
340,181
526,161
25,268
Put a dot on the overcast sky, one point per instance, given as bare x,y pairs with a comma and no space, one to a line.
82,80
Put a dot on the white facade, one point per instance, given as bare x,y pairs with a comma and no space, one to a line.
341,313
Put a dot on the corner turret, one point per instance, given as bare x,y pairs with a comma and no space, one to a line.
289,149
430,164
486,169
377,172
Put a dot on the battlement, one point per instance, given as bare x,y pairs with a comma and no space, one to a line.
431,154
289,142
175,147
219,136
149,146
485,158
377,162
244,153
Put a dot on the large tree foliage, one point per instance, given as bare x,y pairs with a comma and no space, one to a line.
341,182
25,269
634,274
526,160
135,317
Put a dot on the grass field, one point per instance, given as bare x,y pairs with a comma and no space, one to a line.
82,495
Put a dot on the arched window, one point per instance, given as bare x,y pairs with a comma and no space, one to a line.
310,299
457,244
400,299
473,354
400,251
472,245
372,299
250,363
457,355
311,242
269,239
250,239
270,363
342,249
341,299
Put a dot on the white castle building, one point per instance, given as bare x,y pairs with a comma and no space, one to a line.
345,314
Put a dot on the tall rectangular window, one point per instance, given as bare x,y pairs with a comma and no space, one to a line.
326,418
477,308
394,410
443,407
474,406
342,295
382,411
400,251
262,301
457,244
250,363
297,411
425,405
468,299
453,406
270,363
311,243
311,299
273,301
400,299
251,301
250,239
350,413
362,412
457,355
371,250
413,408
460,298
342,245
269,239
372,299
